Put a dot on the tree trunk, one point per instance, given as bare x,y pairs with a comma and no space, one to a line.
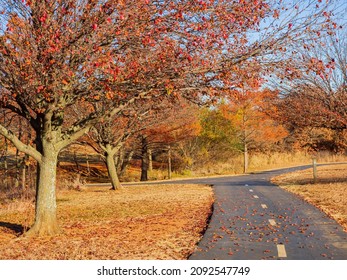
6,165
88,166
24,168
18,166
150,160
245,158
24,176
46,205
125,162
76,161
144,159
169,168
112,171
120,160
5,158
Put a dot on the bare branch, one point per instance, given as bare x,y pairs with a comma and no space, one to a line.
20,145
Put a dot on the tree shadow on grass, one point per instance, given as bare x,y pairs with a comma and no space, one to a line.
310,181
18,229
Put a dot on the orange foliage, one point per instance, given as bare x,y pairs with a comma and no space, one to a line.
246,111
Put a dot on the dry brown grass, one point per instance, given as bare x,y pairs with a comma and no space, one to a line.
329,193
275,160
142,222
234,165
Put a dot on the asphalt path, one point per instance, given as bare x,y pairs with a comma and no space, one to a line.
254,219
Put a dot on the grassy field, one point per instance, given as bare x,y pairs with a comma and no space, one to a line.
234,165
142,222
329,193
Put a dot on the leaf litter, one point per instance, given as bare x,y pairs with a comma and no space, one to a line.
138,222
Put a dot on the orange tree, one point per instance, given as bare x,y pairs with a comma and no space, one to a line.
173,124
253,126
145,124
59,55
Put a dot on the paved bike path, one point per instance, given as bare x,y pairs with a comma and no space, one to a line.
254,219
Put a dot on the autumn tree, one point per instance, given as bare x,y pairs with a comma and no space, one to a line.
108,137
316,100
173,124
59,55
254,128
143,130
216,140
112,134
19,161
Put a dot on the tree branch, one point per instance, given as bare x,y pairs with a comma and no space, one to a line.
20,145
83,126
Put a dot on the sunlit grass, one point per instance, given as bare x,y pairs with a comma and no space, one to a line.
142,222
329,193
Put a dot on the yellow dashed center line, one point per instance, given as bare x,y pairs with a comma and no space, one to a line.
281,249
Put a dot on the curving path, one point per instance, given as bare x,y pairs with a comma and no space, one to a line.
254,219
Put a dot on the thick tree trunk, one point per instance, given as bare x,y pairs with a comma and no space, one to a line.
46,206
112,171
